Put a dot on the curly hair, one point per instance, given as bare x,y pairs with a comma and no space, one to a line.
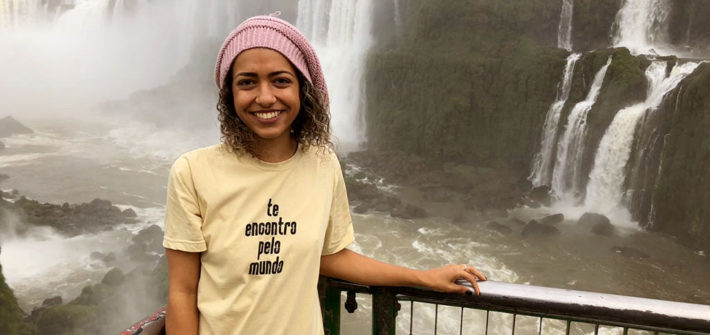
310,128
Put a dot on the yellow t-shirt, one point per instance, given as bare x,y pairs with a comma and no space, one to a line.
261,228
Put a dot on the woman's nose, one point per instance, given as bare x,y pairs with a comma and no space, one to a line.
265,97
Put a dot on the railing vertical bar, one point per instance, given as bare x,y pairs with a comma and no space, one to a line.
461,323
436,317
411,315
596,329
539,330
514,316
569,326
626,330
487,315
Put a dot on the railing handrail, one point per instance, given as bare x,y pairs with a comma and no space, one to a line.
582,306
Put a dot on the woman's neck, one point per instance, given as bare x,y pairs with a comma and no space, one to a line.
276,150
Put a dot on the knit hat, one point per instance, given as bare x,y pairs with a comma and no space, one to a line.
276,34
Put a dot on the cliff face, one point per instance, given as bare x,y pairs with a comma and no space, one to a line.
10,313
681,196
471,82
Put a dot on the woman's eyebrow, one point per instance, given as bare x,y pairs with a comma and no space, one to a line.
253,74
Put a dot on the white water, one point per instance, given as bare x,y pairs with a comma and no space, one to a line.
341,34
642,26
605,192
564,30
571,143
543,159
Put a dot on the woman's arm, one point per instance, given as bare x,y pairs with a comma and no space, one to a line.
351,266
184,273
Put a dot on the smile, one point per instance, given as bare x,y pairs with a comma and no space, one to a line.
266,115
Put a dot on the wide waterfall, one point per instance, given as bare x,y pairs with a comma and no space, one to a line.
542,165
564,31
642,26
341,33
566,173
605,191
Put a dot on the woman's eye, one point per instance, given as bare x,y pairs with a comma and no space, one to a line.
245,82
282,81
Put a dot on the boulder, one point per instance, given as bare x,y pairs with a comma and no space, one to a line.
114,277
536,229
553,219
598,223
10,126
501,228
148,236
53,301
129,213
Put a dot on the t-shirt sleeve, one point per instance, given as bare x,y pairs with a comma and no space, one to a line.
339,233
183,219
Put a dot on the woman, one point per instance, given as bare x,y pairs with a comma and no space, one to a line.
251,222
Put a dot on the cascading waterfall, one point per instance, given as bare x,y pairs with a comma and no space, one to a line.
342,48
542,165
564,30
642,26
605,191
18,12
570,146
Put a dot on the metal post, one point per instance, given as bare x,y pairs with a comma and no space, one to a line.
384,311
330,304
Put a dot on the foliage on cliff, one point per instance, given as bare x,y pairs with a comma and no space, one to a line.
10,313
467,81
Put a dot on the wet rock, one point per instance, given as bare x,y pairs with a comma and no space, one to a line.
53,301
598,223
501,228
362,208
10,126
517,221
114,277
151,235
129,213
105,258
629,252
536,229
541,195
553,219
358,190
409,211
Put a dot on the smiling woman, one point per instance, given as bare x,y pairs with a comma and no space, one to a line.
276,165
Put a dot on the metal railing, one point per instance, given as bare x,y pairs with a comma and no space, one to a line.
597,309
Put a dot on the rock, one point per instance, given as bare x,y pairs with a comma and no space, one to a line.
97,256
459,218
114,277
629,252
409,211
541,195
501,228
599,223
553,219
536,229
53,301
362,208
10,126
129,213
517,221
361,191
148,236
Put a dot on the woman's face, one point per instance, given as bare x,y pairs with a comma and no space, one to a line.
266,93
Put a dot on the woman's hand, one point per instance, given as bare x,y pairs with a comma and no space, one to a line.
443,279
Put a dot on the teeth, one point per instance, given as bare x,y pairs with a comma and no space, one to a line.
266,116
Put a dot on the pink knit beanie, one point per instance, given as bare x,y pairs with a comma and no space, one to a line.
276,34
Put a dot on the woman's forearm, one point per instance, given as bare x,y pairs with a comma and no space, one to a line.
182,317
351,266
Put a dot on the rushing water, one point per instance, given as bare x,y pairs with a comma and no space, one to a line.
564,31
569,148
642,26
605,190
543,162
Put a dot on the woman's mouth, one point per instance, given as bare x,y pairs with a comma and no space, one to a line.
267,115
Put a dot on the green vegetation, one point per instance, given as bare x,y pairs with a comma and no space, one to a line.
10,313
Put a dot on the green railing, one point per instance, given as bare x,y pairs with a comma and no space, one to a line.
613,313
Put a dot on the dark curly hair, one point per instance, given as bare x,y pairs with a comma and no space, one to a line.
310,128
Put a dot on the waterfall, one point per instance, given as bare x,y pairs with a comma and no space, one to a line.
564,30
642,26
542,164
14,13
341,34
605,191
571,145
